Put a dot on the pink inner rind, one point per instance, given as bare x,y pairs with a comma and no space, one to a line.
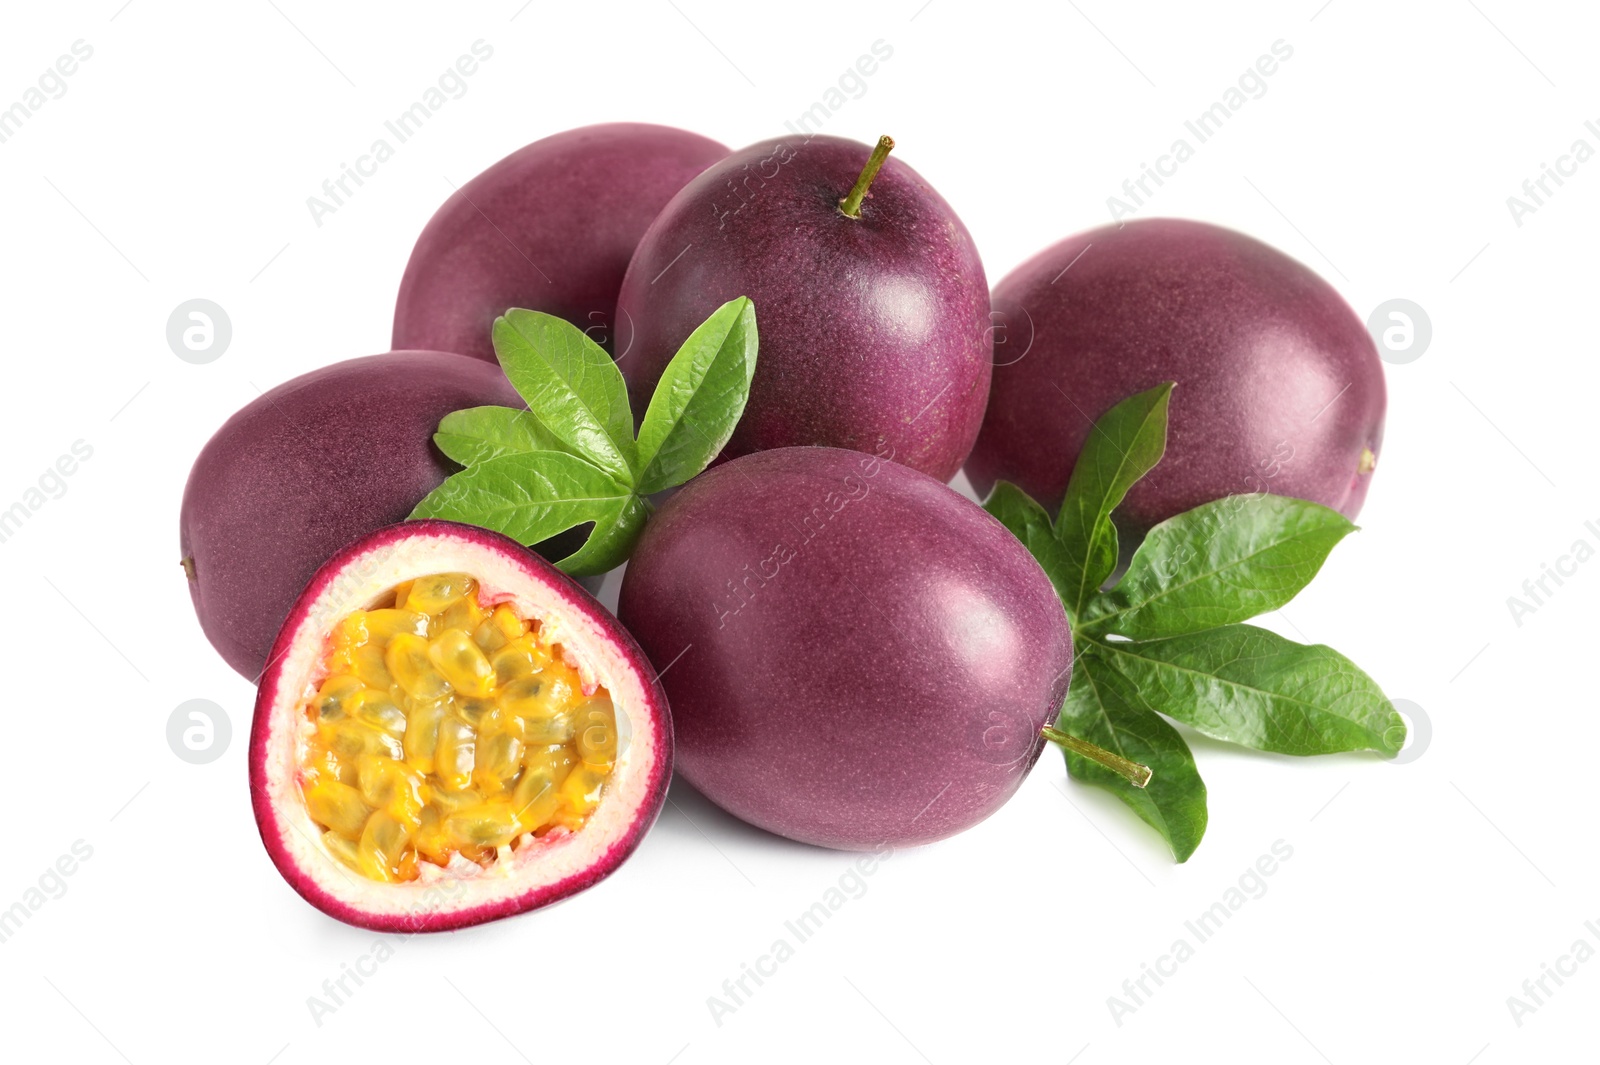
274,704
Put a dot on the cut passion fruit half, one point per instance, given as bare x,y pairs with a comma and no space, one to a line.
449,731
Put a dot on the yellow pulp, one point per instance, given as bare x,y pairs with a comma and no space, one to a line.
444,728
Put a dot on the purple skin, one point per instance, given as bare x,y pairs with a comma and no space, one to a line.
550,227
1279,386
304,469
859,656
874,330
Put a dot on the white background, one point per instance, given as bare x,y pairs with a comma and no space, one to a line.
1419,895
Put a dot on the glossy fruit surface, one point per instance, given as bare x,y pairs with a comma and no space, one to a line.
451,731
856,655
307,467
1279,386
874,330
550,228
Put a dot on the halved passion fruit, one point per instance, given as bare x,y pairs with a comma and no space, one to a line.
449,730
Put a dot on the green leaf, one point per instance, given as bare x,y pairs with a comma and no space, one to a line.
479,434
529,496
1104,708
570,459
1168,639
1028,522
571,385
1218,564
611,541
1252,687
1125,443
699,398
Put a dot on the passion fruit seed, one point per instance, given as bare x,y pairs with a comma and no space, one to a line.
447,728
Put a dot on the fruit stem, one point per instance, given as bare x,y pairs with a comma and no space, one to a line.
1134,773
851,204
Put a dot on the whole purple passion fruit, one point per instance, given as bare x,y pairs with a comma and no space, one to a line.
855,655
451,731
550,227
873,305
304,469
1279,385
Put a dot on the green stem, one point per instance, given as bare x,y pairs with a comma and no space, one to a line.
851,204
1134,773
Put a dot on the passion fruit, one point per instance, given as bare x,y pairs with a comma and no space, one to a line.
304,469
874,309
550,227
1279,385
855,654
451,731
